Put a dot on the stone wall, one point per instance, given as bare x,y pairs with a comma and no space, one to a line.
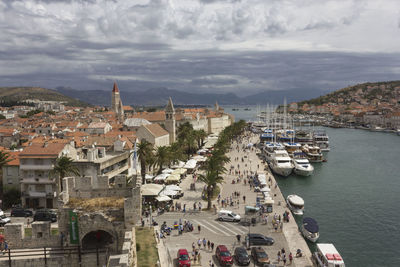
41,237
128,257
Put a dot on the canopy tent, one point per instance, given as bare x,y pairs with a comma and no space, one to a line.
177,165
199,158
163,198
167,171
179,171
161,177
190,164
173,187
262,179
169,193
173,178
151,189
265,189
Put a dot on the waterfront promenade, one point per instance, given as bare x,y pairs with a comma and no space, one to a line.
224,232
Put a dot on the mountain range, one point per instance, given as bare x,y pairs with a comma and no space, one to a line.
159,96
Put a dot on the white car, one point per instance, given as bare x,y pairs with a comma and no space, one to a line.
229,216
4,220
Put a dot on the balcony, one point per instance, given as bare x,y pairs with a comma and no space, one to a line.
33,167
37,180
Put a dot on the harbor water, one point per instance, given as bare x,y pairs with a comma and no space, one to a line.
354,196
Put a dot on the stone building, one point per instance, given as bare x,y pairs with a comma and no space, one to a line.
154,134
11,175
170,123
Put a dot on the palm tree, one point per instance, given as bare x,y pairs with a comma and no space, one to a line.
162,157
175,152
200,135
62,168
211,179
145,152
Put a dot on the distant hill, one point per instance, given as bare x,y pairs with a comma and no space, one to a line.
159,96
21,94
156,96
360,93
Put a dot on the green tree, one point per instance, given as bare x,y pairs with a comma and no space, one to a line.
176,153
211,179
162,157
200,135
62,168
12,196
145,154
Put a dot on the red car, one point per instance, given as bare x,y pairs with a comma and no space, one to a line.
223,255
183,258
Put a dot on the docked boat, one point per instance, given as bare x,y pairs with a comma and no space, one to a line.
313,153
269,150
304,137
327,256
295,204
321,140
310,229
291,148
302,165
281,163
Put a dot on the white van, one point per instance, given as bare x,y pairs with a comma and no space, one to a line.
227,215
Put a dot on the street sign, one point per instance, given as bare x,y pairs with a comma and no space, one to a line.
73,228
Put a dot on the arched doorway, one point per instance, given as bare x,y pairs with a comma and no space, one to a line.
99,239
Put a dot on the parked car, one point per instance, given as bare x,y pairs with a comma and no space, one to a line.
241,256
259,255
4,220
183,258
45,215
21,212
259,240
227,215
223,256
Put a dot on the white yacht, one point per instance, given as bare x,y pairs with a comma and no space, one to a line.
310,229
302,166
295,204
327,256
269,150
321,140
313,153
281,163
291,148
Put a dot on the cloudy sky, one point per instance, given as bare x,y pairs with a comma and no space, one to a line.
240,46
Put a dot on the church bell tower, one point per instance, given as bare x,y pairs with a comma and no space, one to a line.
170,121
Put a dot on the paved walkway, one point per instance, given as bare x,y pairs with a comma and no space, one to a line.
291,237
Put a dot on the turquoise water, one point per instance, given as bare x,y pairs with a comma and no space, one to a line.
355,195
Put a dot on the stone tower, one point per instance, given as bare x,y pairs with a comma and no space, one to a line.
170,121
116,103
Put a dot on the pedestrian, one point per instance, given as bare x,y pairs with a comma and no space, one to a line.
238,238
200,206
210,263
281,226
199,257
276,227
284,259
290,258
204,243
208,244
5,246
212,246
279,257
244,199
193,246
184,208
199,228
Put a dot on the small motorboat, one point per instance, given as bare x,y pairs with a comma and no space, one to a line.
295,204
310,229
327,255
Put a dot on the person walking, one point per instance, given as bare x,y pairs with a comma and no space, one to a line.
208,244
290,258
204,242
199,243
212,246
199,228
279,257
238,238
193,246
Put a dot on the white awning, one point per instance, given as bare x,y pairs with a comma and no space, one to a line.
180,171
173,187
169,193
161,177
173,178
151,189
199,158
167,171
180,164
190,164
265,189
163,198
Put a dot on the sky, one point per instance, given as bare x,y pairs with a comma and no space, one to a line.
220,46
